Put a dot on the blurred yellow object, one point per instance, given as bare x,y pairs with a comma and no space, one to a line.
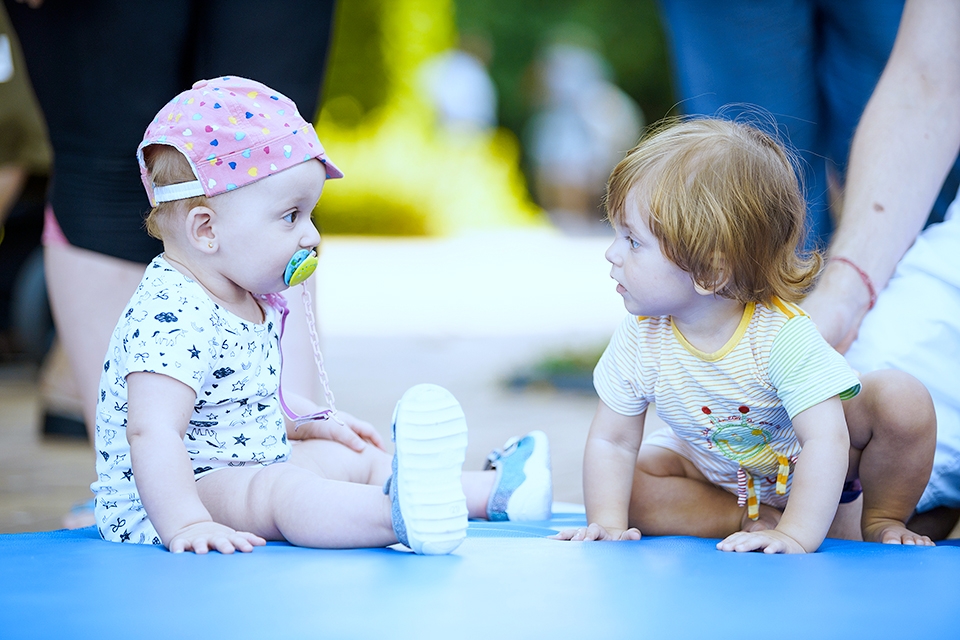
404,175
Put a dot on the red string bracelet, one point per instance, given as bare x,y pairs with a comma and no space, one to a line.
867,282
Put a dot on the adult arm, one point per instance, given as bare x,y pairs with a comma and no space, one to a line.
904,146
609,462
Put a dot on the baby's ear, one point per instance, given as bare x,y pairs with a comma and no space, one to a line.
720,279
201,228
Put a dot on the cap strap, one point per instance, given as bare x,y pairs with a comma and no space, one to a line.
180,191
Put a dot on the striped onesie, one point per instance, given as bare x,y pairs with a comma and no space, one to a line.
729,411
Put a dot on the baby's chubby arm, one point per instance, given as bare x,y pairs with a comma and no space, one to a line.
817,482
354,433
609,463
158,414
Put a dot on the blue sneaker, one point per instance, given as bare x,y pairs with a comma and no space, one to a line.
523,489
429,508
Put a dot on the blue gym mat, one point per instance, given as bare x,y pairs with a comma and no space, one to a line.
505,581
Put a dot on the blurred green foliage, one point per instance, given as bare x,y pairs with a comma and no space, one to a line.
570,362
627,33
372,214
404,176
567,370
356,81
371,111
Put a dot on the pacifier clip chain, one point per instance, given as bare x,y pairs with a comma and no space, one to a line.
317,356
279,302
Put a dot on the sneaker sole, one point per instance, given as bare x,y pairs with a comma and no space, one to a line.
531,501
431,441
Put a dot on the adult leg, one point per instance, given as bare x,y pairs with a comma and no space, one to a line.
749,52
76,55
88,292
914,328
225,38
12,179
893,436
855,40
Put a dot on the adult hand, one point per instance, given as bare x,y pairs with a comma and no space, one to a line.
201,537
838,305
596,532
768,541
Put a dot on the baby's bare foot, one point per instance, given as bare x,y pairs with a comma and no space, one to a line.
890,531
769,518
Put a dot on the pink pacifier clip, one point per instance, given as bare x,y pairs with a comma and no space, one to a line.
279,302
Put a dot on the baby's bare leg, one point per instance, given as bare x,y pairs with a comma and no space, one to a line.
284,501
892,440
846,524
335,461
671,497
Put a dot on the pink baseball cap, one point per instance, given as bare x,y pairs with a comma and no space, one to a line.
233,131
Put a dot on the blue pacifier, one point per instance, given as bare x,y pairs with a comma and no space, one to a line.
301,266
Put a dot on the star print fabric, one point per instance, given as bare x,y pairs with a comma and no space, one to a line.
171,327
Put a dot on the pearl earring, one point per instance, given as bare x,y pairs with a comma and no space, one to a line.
210,245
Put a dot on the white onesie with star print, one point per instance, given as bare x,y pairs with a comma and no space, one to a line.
171,327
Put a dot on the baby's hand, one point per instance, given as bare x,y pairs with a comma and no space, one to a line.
596,532
354,433
204,536
768,541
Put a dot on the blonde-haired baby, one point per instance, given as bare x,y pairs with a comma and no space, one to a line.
770,429
198,446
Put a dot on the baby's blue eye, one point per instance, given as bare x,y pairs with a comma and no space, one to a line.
290,217
633,243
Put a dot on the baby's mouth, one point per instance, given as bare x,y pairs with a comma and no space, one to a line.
301,266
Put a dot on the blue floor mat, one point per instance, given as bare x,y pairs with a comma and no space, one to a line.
505,581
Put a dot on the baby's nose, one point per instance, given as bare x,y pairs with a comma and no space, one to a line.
312,238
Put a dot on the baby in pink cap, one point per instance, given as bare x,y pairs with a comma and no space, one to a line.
198,447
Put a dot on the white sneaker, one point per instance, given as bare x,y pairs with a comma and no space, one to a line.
523,489
429,508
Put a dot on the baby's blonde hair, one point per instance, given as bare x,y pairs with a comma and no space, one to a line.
725,205
165,166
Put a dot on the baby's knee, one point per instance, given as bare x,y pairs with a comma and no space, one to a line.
897,402
271,481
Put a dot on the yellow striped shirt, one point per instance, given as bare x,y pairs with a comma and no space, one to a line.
734,406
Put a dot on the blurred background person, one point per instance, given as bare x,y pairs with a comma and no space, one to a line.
458,86
24,166
811,63
115,55
24,147
583,126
